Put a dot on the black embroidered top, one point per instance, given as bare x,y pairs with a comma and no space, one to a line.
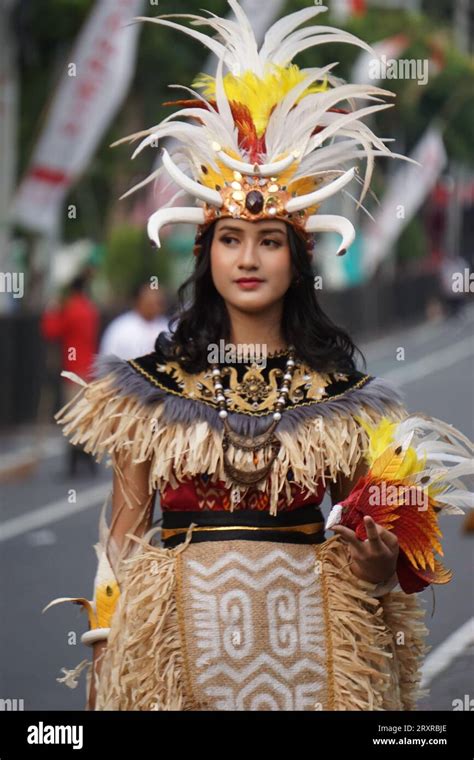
250,388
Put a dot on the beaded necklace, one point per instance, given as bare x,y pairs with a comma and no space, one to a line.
255,443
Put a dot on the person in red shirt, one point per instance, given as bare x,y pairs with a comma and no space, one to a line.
75,324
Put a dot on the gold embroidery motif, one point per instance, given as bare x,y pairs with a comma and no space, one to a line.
197,386
255,391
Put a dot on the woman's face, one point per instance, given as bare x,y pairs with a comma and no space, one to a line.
251,262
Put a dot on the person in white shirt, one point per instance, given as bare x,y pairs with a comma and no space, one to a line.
135,332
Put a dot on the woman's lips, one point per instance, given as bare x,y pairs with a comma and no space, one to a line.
249,283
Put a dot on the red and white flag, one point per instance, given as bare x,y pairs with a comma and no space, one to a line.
94,83
344,9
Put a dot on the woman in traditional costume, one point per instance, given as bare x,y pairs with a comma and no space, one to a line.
247,604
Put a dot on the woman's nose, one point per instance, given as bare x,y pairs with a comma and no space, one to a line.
248,254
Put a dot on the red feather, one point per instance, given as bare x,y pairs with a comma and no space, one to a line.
415,526
247,134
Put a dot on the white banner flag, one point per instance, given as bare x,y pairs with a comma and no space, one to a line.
407,191
93,86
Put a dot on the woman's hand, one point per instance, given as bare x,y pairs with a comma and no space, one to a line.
375,559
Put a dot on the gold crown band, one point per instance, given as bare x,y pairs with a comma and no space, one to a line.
254,198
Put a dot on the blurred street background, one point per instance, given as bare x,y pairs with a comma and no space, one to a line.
77,272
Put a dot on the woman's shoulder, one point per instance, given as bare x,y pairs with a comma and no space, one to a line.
138,376
157,374
352,393
351,387
108,410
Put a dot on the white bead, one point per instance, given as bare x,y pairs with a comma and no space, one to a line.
216,372
282,400
218,386
290,363
277,416
287,376
223,414
220,397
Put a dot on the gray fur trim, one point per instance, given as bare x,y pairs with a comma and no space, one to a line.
378,393
127,380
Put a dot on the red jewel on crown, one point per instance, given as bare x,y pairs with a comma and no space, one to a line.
254,202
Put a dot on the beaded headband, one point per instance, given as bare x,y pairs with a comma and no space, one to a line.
268,140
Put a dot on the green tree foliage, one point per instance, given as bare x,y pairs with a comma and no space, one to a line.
129,259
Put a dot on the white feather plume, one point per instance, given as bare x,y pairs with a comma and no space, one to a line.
444,445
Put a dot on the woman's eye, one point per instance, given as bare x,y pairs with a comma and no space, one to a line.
226,239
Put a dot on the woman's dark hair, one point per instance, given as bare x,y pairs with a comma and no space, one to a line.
204,320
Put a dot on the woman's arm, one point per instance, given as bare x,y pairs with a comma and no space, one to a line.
132,512
132,503
344,485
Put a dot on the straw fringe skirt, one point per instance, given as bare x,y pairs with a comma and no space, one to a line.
258,625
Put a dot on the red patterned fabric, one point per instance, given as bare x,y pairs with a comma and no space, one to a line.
199,493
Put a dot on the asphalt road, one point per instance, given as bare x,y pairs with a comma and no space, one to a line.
48,551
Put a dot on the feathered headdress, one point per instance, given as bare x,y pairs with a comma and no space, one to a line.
267,139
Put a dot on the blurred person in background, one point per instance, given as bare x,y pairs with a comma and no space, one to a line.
137,329
74,323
